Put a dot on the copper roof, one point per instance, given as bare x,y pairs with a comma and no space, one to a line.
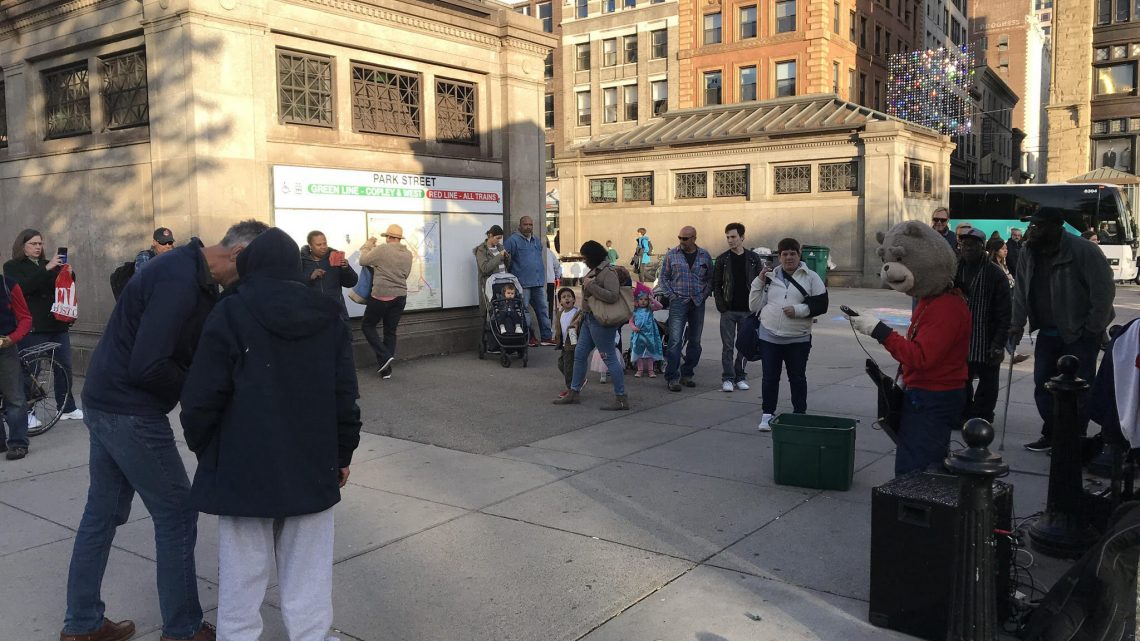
742,121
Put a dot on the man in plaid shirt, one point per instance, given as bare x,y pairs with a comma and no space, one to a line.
686,279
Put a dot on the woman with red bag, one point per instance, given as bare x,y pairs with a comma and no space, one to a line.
37,276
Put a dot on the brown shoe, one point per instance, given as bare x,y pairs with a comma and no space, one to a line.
205,633
109,631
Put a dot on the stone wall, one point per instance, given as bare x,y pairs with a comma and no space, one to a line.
1068,114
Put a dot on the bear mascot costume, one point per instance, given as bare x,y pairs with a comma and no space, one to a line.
932,355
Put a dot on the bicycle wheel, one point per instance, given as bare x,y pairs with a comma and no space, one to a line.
40,380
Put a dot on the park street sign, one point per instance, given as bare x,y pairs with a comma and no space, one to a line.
318,188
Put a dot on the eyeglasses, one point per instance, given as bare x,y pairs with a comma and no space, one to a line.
31,242
684,238
940,220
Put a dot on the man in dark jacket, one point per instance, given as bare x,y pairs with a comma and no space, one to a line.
15,323
322,275
733,274
940,221
1013,248
273,445
133,381
1064,288
987,295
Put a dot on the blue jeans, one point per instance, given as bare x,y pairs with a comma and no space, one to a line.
536,298
684,313
1045,355
135,454
12,388
62,373
592,335
925,425
773,356
732,363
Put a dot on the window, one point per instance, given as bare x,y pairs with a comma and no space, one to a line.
878,93
887,44
786,78
1122,10
524,10
747,22
1003,43
583,108
919,180
747,83
928,180
548,66
692,185
712,87
609,6
581,9
630,4
1114,153
455,112
878,40
835,78
545,14
609,104
1116,79
550,161
630,49
548,111
712,28
793,179
785,16
660,96
385,101
660,43
124,90
637,188
851,85
582,55
863,89
730,182
68,107
1104,12
843,176
852,26
304,86
862,32
3,118
603,190
835,17
630,102
609,52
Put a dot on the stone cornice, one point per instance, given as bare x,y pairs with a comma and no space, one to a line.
526,46
56,11
405,20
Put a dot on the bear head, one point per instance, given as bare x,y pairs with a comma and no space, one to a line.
917,261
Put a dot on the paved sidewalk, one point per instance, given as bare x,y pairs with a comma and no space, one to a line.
477,511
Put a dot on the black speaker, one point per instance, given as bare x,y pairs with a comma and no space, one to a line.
912,549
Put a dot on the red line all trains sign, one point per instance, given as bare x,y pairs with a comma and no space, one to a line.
320,188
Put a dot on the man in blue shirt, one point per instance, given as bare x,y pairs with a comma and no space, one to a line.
686,279
528,266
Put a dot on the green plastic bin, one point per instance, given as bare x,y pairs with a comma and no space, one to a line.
814,451
816,258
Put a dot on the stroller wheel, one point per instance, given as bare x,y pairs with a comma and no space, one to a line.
482,349
505,360
525,359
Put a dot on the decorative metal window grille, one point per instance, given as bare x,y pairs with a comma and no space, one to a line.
692,185
927,180
842,176
455,112
913,179
795,179
385,101
637,188
68,108
124,90
730,182
603,190
3,118
305,89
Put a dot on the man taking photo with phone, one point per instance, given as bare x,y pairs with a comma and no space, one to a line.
326,269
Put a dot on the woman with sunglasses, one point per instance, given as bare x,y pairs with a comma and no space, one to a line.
36,273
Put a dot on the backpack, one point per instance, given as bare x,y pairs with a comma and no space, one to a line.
649,245
120,276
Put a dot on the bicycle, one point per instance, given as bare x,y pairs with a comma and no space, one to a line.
40,370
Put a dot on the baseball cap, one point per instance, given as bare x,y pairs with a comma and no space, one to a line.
163,235
972,233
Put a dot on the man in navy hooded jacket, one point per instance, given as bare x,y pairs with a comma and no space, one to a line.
133,381
270,410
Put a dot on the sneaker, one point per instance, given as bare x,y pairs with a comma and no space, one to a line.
384,365
74,415
674,386
386,373
563,393
33,421
16,453
533,342
652,374
1020,358
603,379
502,329
764,426
688,382
742,386
547,342
726,386
1040,445
637,374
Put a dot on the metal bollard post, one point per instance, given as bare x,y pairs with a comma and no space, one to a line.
973,599
1063,531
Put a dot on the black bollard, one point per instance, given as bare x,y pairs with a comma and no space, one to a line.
1063,531
973,597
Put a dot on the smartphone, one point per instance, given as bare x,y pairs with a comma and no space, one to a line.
336,259
62,253
847,310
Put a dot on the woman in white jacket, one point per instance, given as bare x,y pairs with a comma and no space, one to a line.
779,295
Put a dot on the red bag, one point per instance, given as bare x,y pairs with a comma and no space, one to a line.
65,308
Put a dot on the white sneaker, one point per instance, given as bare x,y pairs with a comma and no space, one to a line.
726,386
764,427
742,385
76,415
32,420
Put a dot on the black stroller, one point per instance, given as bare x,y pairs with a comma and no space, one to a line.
505,328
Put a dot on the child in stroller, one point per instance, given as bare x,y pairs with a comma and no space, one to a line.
510,313
505,330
